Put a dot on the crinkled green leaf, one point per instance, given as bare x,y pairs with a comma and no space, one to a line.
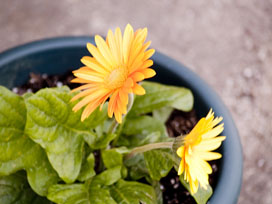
40,173
159,95
17,151
144,125
139,140
132,192
103,141
142,130
87,170
88,193
163,113
99,195
14,189
68,194
137,167
108,177
112,158
27,94
159,162
52,124
157,187
202,195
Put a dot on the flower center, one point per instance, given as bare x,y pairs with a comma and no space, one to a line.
116,78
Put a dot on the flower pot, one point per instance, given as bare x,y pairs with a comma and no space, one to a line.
59,55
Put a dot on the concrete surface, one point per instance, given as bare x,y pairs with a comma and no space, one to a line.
227,42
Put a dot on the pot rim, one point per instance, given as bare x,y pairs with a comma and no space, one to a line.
230,178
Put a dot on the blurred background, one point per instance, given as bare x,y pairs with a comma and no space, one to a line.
227,42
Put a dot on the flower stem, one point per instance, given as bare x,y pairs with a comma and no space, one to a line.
149,147
113,127
115,124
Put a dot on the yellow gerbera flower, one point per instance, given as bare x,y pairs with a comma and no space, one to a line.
196,151
114,70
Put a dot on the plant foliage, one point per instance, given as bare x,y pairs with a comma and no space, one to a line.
48,155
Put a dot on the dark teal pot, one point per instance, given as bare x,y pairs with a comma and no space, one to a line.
58,55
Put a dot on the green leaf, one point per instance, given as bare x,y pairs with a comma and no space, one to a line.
112,158
159,162
144,125
98,195
88,193
131,192
40,173
87,170
68,194
163,113
158,96
103,141
108,177
142,130
17,151
137,167
52,124
202,195
14,189
156,185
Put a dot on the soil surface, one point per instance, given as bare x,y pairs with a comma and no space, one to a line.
227,42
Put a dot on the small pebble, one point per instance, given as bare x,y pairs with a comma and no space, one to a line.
32,80
172,181
15,90
214,168
44,76
261,162
248,73
59,84
176,186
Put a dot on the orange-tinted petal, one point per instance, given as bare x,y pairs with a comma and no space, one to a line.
83,93
88,99
138,76
98,56
112,104
86,86
148,54
89,109
93,64
138,90
104,50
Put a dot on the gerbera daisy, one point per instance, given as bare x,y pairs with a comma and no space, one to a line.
113,71
196,151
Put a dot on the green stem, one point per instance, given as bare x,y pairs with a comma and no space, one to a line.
115,124
149,147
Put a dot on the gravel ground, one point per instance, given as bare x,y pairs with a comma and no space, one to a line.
227,42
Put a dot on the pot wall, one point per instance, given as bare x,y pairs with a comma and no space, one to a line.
59,55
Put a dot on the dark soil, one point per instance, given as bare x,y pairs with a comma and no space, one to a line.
178,123
39,81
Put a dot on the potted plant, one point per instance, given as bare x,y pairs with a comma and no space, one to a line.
52,150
